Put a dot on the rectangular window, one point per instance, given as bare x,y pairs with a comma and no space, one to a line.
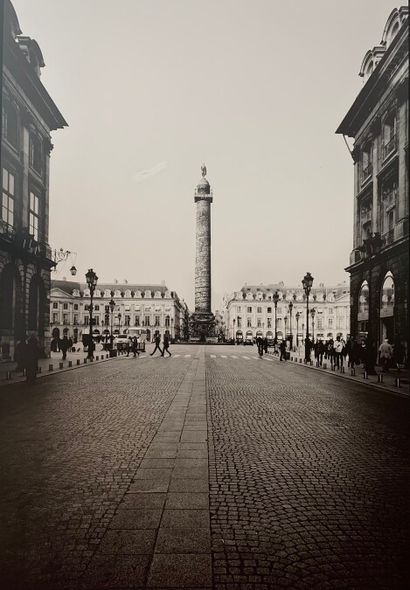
157,320
10,124
269,310
269,323
238,309
55,318
259,323
86,320
96,307
7,202
137,320
55,305
147,322
35,157
249,323
127,320
86,307
249,309
65,305
75,305
75,319
65,318
34,214
259,310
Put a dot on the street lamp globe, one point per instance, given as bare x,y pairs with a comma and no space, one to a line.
290,306
112,305
91,279
73,271
307,283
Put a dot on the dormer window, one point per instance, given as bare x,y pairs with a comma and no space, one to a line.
389,134
35,156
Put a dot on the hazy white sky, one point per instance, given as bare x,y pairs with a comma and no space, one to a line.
153,88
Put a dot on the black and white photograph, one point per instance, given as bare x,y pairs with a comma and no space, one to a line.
204,295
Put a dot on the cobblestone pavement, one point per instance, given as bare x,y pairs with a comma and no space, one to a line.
211,469
309,479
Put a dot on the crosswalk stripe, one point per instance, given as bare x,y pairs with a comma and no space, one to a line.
187,355
223,356
233,356
213,356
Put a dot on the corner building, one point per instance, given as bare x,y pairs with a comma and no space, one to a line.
378,122
28,117
145,308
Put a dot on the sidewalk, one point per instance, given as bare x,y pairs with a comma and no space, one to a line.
383,381
54,364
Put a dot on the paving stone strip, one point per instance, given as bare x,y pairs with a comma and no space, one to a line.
159,536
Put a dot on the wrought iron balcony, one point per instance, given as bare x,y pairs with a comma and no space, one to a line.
389,147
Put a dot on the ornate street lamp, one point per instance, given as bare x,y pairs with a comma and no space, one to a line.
290,324
286,323
112,307
275,298
307,283
312,314
119,323
298,314
91,279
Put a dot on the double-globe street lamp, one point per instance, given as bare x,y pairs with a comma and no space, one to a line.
290,307
307,283
91,279
297,316
275,299
112,307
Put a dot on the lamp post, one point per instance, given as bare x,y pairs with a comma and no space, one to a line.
307,283
312,314
290,324
298,314
233,329
286,323
112,307
91,279
275,298
119,323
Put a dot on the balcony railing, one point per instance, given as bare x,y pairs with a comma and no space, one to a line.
389,147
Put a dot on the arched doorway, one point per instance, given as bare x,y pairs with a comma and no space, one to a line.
387,308
363,310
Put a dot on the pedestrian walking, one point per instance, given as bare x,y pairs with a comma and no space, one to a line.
282,349
165,345
64,344
265,345
385,354
320,352
259,344
157,341
32,354
134,346
338,352
398,353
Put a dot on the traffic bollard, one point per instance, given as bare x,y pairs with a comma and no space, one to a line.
85,360
380,378
365,375
332,367
325,365
342,369
61,365
70,363
78,362
352,371
397,382
50,367
8,375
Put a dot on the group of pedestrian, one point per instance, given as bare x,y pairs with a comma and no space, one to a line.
26,355
132,346
165,344
262,344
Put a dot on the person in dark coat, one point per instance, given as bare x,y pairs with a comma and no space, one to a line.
157,340
282,350
19,355
265,345
259,344
64,345
32,354
165,345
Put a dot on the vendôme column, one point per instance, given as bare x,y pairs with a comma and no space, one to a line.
203,319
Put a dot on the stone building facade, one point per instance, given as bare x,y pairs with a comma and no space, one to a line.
28,117
378,122
250,312
145,309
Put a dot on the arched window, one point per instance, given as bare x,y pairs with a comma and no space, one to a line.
387,308
363,308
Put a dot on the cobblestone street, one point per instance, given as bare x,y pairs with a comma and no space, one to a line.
209,469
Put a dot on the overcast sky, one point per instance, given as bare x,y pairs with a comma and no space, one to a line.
153,88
